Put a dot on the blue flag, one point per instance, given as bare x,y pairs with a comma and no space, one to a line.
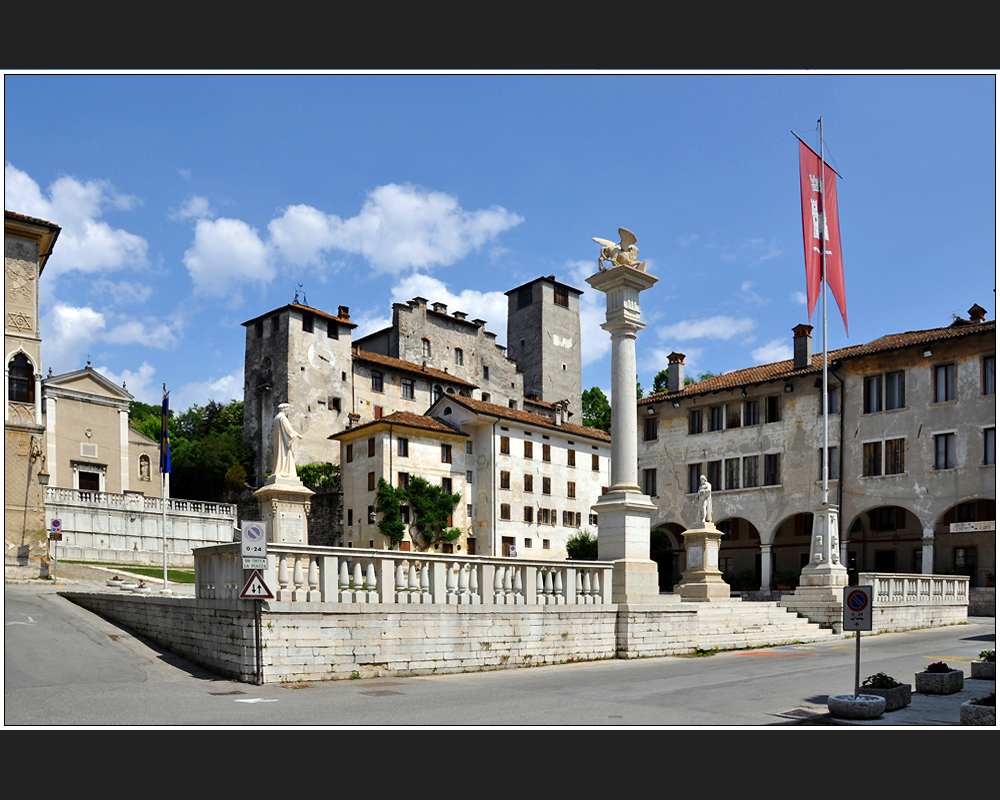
165,435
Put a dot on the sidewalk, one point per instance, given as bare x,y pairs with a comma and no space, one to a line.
928,709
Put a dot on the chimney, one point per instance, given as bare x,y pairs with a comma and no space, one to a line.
418,302
977,313
441,308
675,372
460,315
344,313
802,346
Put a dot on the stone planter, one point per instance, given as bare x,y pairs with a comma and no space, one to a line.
849,706
939,682
984,670
895,698
977,715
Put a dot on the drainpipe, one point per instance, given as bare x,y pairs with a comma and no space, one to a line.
844,556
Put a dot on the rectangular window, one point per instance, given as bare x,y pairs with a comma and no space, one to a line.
546,485
717,418
404,514
944,383
832,400
772,469
568,518
504,479
944,451
871,459
332,331
895,394
459,357
307,323
350,453
732,473
446,454
377,412
650,428
403,479
376,381
772,409
561,296
529,516
486,372
543,516
529,483
402,447
446,485
694,421
505,445
468,476
571,458
546,452
873,394
592,519
989,374
989,445
694,478
425,348
749,472
505,511
733,415
715,474
595,463
751,413
524,297
333,404
258,328
894,461
350,517
371,481
529,450
834,462
371,447
406,386
571,489
649,482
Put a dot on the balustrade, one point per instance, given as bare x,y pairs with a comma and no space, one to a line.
916,589
352,575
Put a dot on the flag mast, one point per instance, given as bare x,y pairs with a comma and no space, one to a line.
164,477
826,392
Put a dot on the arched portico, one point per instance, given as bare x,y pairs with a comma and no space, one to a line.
666,548
885,538
965,540
789,546
740,553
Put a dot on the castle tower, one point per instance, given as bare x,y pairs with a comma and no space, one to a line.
543,336
301,356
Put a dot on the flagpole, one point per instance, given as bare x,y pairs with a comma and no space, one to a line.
164,471
823,283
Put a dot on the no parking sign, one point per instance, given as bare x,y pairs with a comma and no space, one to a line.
857,608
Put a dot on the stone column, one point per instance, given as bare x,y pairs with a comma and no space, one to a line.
624,511
765,567
820,595
927,551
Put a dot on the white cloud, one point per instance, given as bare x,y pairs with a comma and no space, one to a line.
225,254
719,327
67,332
799,298
774,350
223,390
400,227
86,243
194,208
490,306
139,384
595,342
123,292
160,335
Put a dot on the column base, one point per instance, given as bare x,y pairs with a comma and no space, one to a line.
702,581
284,506
635,582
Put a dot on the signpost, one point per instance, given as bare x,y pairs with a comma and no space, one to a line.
253,550
56,537
857,618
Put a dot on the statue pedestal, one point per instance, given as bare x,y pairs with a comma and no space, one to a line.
623,538
284,506
702,580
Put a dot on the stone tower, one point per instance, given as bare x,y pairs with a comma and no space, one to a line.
301,356
543,337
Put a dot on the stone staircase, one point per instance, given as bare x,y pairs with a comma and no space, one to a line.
733,624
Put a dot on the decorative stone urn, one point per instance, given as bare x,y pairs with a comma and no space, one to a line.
984,670
939,682
970,714
895,698
855,706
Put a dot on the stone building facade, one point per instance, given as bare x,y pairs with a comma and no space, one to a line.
911,433
28,243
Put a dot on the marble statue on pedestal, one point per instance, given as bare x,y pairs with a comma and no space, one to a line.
284,437
625,254
704,501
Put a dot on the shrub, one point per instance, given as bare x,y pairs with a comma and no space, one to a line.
881,681
582,546
989,700
938,666
988,655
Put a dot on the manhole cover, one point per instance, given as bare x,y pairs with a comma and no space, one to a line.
380,693
802,713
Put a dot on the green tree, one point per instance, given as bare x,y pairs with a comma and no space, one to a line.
659,382
319,476
432,508
388,503
582,545
596,410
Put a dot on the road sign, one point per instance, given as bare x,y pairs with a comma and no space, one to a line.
256,589
55,537
56,525
253,539
857,608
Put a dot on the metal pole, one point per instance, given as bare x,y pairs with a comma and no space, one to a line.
163,500
822,250
259,661
857,664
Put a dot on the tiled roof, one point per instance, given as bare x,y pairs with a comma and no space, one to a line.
405,419
783,370
409,366
528,418
33,220
307,309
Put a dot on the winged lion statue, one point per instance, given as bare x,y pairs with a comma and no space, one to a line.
624,254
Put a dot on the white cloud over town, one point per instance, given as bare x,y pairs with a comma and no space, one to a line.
774,350
718,327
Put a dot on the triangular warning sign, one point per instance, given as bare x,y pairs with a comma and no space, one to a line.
256,589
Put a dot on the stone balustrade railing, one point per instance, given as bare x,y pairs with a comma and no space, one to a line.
136,501
916,590
297,573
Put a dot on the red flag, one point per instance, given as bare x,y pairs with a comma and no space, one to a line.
819,214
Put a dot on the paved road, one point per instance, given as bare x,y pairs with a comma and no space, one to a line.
67,667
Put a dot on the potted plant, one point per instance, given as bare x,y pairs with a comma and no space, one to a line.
939,678
896,694
981,711
991,579
785,580
115,580
986,668
855,706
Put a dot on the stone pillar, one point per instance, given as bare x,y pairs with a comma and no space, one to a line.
765,567
927,552
702,580
284,506
820,595
624,511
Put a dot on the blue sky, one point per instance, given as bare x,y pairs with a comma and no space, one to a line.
193,202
